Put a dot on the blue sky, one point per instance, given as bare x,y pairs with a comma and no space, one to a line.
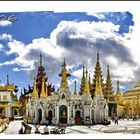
77,36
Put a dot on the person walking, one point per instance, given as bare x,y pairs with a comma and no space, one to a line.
37,129
116,120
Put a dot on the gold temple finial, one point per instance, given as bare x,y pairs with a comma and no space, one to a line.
64,63
64,74
86,73
89,79
75,91
86,88
82,86
118,92
108,70
40,59
83,70
7,79
35,93
98,57
42,94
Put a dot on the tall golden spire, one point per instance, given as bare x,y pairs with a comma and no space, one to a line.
42,94
118,92
82,86
83,71
40,59
75,91
86,88
89,79
98,89
7,79
64,74
108,93
97,74
35,93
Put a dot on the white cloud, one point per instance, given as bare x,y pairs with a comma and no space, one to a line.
133,42
41,45
71,81
111,60
78,73
90,32
22,69
6,36
98,15
16,69
15,47
1,46
86,29
5,23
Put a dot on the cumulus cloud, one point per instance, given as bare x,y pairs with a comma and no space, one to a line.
6,36
78,42
1,46
98,15
84,39
4,23
15,47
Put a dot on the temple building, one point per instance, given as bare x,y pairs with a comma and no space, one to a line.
107,88
64,106
132,100
9,106
92,104
97,74
109,95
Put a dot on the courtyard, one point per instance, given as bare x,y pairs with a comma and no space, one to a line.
124,126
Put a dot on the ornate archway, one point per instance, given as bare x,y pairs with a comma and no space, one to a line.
15,112
39,115
50,116
78,118
78,113
63,114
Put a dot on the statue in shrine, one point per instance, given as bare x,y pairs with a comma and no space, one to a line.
64,114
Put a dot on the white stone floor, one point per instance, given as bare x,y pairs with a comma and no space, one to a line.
14,127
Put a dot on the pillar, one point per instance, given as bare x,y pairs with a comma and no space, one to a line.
43,118
68,109
57,112
36,116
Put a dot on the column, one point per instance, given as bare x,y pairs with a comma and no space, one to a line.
73,112
55,111
36,116
90,117
57,114
68,114
26,111
43,120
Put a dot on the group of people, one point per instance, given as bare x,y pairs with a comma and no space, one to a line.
46,129
115,119
60,127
